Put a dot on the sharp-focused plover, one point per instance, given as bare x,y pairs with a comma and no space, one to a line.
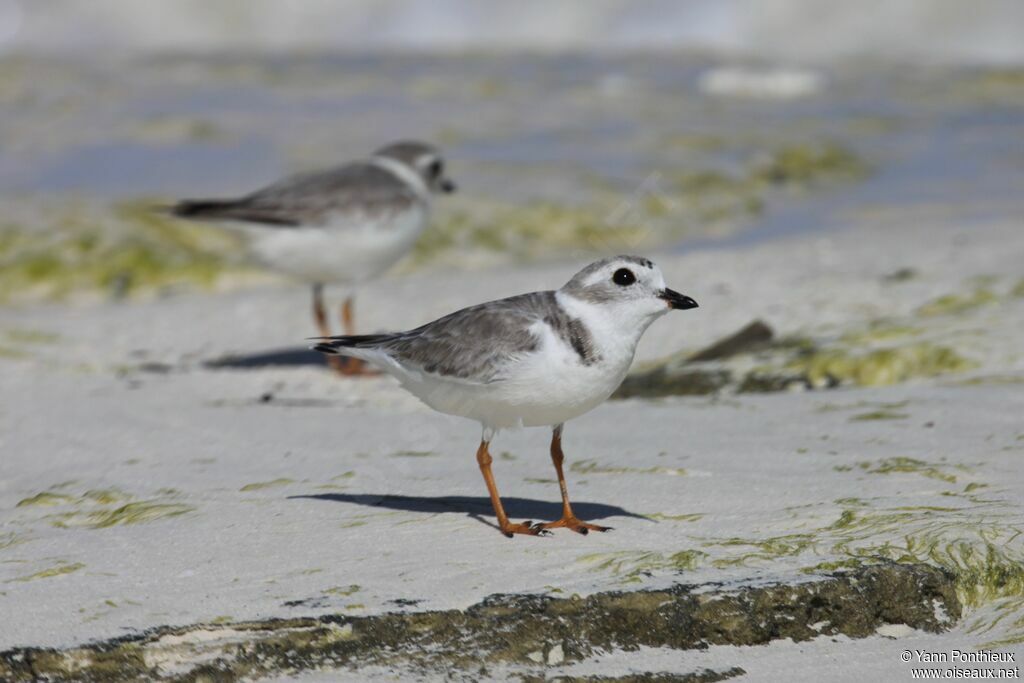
531,360
340,226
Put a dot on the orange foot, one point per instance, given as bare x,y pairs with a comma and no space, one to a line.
527,528
576,525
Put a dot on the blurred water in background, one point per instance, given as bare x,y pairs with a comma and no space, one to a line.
572,126
985,31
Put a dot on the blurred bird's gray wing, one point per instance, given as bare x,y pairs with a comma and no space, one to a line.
348,194
476,344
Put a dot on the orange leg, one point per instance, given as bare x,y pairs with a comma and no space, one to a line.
348,319
483,458
352,366
568,519
337,363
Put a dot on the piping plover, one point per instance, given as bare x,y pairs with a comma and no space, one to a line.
340,226
531,360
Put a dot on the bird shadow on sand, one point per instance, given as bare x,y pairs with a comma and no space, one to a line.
478,507
291,357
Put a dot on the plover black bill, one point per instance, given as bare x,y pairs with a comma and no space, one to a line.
342,226
536,359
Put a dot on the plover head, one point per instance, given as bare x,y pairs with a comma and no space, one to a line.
631,288
423,159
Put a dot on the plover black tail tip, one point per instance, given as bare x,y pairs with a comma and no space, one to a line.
197,208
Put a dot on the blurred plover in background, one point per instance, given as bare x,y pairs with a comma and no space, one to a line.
536,359
343,226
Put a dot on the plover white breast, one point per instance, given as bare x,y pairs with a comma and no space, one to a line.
536,359
343,226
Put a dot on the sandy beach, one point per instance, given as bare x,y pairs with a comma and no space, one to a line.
816,473
144,488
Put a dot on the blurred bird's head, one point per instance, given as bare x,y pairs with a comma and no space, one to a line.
423,159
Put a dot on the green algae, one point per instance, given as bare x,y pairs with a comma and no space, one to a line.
878,415
593,467
951,304
11,539
30,337
808,164
690,517
118,250
57,570
880,367
259,485
105,496
139,512
713,195
631,566
982,551
343,590
1009,613
46,499
981,548
101,508
352,525
834,565
787,545
510,630
879,331
525,232
877,405
906,465
989,380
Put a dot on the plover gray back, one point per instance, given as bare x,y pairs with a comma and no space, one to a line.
529,360
344,225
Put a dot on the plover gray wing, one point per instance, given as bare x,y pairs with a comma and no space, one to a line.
346,196
529,360
343,226
476,344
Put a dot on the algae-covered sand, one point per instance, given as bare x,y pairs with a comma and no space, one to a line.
162,468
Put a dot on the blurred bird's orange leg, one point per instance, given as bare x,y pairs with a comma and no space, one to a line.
320,318
348,316
483,458
568,519
352,366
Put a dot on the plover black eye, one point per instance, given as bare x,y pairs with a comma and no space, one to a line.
435,169
623,277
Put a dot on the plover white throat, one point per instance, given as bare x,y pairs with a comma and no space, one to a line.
340,226
536,359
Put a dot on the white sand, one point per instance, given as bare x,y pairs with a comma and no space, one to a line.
76,417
